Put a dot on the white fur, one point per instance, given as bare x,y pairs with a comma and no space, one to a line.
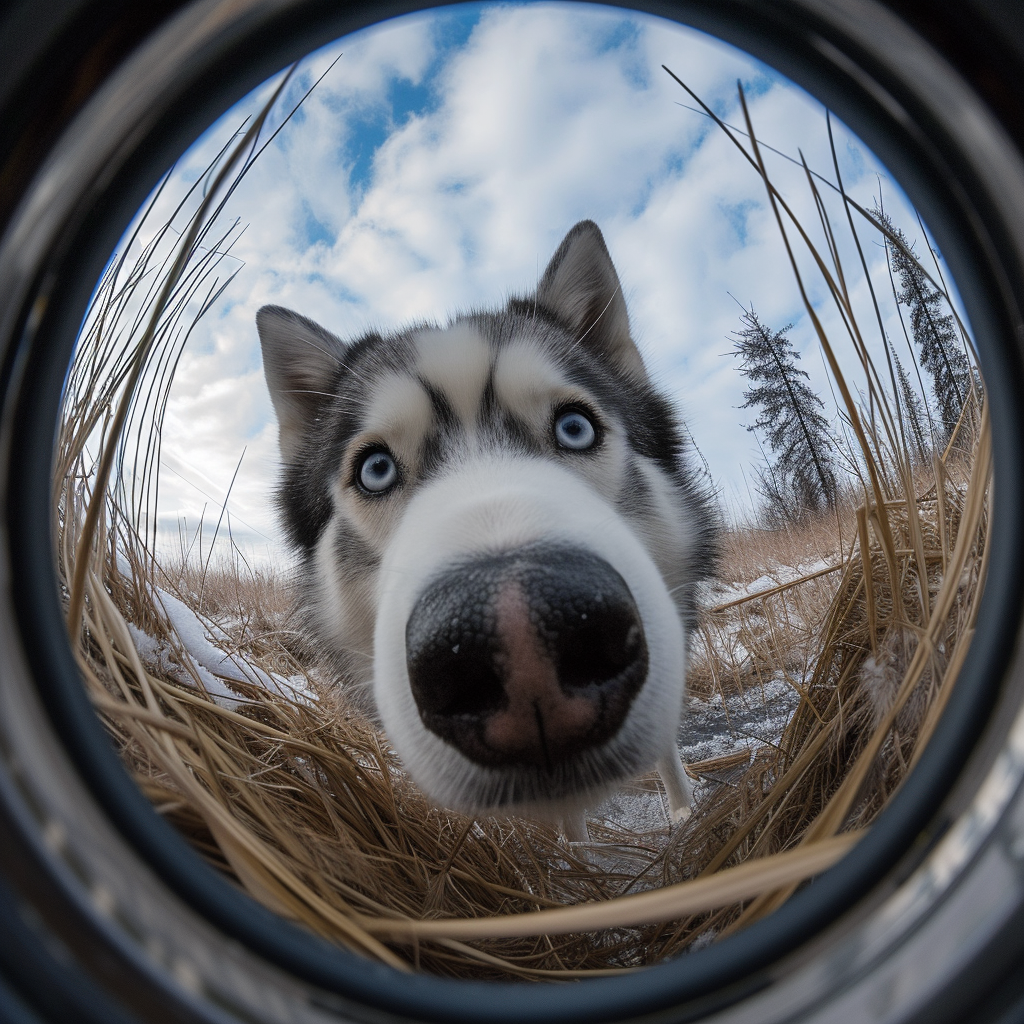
494,505
344,613
525,379
400,411
456,361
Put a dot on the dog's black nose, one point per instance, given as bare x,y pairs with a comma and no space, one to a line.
526,658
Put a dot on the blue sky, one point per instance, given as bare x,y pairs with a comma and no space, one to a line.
438,165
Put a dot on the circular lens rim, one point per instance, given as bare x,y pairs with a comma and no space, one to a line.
916,808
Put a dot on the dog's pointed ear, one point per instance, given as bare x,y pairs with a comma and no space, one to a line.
581,288
302,363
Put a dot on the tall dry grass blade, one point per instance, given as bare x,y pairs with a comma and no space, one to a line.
869,582
772,591
138,362
832,817
852,412
729,886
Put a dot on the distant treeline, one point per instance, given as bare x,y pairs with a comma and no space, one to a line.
805,466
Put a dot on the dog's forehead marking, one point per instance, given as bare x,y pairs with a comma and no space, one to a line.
457,362
400,411
524,379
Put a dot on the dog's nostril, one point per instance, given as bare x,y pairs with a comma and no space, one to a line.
450,657
454,682
597,645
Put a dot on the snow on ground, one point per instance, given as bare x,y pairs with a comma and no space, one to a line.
719,726
200,658
710,729
160,657
748,720
719,594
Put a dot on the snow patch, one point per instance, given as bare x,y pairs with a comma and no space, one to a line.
710,728
778,576
200,658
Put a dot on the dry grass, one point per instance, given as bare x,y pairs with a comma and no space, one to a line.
295,796
254,606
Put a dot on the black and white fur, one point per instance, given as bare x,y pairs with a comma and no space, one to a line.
499,535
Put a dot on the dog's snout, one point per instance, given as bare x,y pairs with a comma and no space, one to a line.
526,658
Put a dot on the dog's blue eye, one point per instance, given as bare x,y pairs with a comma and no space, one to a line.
573,430
378,472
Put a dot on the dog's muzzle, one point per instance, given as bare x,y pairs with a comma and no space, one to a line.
526,658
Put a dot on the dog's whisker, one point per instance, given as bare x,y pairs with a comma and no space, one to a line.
540,735
397,570
597,319
330,353
366,655
306,391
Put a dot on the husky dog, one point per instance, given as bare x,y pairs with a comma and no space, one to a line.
499,534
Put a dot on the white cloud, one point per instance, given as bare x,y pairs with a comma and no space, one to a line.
541,115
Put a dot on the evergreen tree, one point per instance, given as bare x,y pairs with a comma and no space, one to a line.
802,478
914,413
934,331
